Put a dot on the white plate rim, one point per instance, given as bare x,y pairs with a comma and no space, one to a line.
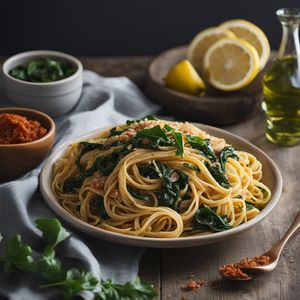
50,199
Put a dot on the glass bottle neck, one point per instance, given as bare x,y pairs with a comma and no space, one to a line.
290,41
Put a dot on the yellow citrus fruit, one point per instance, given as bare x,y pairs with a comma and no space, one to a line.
252,34
184,78
202,41
231,64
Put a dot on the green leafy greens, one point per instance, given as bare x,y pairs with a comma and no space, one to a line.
137,194
106,164
87,147
43,69
203,145
72,183
207,219
192,167
97,205
18,256
227,152
173,181
218,174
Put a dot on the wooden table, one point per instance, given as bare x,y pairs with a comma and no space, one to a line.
169,269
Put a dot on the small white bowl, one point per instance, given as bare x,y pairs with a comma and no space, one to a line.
54,98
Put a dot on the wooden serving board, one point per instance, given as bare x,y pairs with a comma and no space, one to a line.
215,107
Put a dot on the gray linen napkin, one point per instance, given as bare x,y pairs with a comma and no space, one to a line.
104,101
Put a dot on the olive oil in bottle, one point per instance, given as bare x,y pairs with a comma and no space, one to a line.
281,84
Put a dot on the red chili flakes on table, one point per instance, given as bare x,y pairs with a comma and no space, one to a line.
193,284
15,129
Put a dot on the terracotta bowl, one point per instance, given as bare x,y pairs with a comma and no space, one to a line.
17,159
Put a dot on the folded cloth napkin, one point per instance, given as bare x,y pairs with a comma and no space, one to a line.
104,102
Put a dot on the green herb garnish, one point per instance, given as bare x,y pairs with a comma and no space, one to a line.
50,272
43,69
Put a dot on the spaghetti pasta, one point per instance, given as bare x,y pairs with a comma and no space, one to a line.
155,178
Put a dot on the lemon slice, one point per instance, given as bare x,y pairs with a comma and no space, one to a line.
202,41
252,34
184,78
231,64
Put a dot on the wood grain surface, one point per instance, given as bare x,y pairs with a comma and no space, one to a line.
169,270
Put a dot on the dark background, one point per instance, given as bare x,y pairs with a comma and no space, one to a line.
124,27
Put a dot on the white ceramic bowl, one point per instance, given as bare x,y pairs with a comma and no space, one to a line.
54,98
271,177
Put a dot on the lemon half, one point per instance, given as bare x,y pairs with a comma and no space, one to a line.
252,34
231,64
202,41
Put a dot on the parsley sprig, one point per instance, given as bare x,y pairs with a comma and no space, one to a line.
19,256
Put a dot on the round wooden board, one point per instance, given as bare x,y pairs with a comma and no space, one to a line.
215,107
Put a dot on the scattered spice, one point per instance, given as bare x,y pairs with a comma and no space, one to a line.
235,271
15,129
193,284
255,261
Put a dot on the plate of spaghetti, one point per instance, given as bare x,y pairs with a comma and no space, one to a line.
156,183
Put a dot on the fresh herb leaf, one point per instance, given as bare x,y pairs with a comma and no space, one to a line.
16,255
177,138
203,145
218,174
168,128
138,195
149,117
72,183
49,266
192,167
207,219
227,152
173,181
53,232
152,133
97,205
179,143
77,282
151,138
136,289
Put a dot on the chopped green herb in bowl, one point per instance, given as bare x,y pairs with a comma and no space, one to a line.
43,69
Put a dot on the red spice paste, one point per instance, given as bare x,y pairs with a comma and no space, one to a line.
15,129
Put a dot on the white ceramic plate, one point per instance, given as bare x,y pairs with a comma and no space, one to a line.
271,177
